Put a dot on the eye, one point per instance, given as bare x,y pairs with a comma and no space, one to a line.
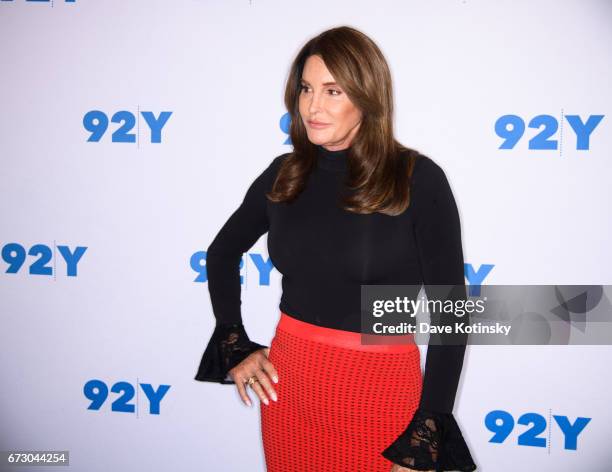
337,92
303,88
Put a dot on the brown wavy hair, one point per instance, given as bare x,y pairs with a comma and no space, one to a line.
377,176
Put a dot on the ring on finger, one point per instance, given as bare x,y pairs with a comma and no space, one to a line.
251,380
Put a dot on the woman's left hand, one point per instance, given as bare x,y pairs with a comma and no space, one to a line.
399,468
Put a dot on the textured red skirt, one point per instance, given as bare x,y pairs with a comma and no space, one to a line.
340,403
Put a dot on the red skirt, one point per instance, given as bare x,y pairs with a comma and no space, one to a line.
340,402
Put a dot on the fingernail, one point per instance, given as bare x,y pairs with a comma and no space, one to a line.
275,379
274,397
266,401
248,402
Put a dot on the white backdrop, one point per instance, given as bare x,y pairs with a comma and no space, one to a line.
135,307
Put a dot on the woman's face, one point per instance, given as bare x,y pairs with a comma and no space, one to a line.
330,118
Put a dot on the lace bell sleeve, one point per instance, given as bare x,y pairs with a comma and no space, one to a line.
432,440
229,343
228,346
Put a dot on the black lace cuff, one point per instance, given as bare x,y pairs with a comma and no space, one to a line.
432,441
228,346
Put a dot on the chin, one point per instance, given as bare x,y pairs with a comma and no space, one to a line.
318,137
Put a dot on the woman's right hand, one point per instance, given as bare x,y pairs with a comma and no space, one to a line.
256,365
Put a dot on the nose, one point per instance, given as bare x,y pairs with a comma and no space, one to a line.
315,103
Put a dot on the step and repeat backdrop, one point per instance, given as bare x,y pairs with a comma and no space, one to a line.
131,131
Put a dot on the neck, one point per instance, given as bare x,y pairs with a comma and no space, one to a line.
332,160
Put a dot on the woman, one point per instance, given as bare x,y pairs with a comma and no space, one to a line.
349,206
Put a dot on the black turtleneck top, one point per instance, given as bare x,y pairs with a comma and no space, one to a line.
325,254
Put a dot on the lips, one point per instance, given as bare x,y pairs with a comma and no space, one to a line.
317,124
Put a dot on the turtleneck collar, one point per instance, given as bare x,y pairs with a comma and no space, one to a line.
332,160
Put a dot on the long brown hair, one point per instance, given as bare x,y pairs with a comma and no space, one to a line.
377,175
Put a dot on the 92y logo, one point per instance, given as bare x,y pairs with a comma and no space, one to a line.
511,129
263,266
502,423
98,392
97,123
14,255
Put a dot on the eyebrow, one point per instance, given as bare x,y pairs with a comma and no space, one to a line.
326,83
